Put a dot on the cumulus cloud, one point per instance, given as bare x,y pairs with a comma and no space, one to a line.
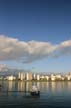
26,52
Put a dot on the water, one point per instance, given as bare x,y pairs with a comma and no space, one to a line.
53,95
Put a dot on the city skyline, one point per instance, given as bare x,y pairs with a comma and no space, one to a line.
36,35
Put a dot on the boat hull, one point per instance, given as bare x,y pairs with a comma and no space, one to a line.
35,93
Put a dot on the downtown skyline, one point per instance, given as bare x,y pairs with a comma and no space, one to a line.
36,34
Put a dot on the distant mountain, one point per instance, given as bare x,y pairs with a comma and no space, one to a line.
5,70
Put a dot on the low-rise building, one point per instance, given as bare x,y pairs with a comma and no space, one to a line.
58,77
53,78
11,78
62,78
21,76
47,77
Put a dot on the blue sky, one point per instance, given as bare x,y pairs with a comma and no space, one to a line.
39,20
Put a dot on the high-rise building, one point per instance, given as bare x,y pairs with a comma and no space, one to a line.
21,76
11,77
29,76
38,77
47,77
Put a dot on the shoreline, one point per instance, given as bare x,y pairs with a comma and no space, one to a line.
38,80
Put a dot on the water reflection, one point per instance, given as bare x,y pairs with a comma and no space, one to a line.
52,94
52,87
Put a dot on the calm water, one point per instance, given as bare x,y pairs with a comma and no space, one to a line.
53,95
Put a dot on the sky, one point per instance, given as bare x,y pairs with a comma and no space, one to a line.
38,31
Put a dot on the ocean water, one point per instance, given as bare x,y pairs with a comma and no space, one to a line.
15,94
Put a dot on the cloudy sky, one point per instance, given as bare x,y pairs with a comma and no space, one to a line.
36,34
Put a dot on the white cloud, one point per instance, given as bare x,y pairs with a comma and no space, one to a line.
14,49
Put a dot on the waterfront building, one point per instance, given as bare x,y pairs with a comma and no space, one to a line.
34,76
21,76
58,77
29,76
42,77
68,77
63,78
53,78
47,77
11,78
38,77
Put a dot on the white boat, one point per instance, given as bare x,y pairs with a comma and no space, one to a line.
35,91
